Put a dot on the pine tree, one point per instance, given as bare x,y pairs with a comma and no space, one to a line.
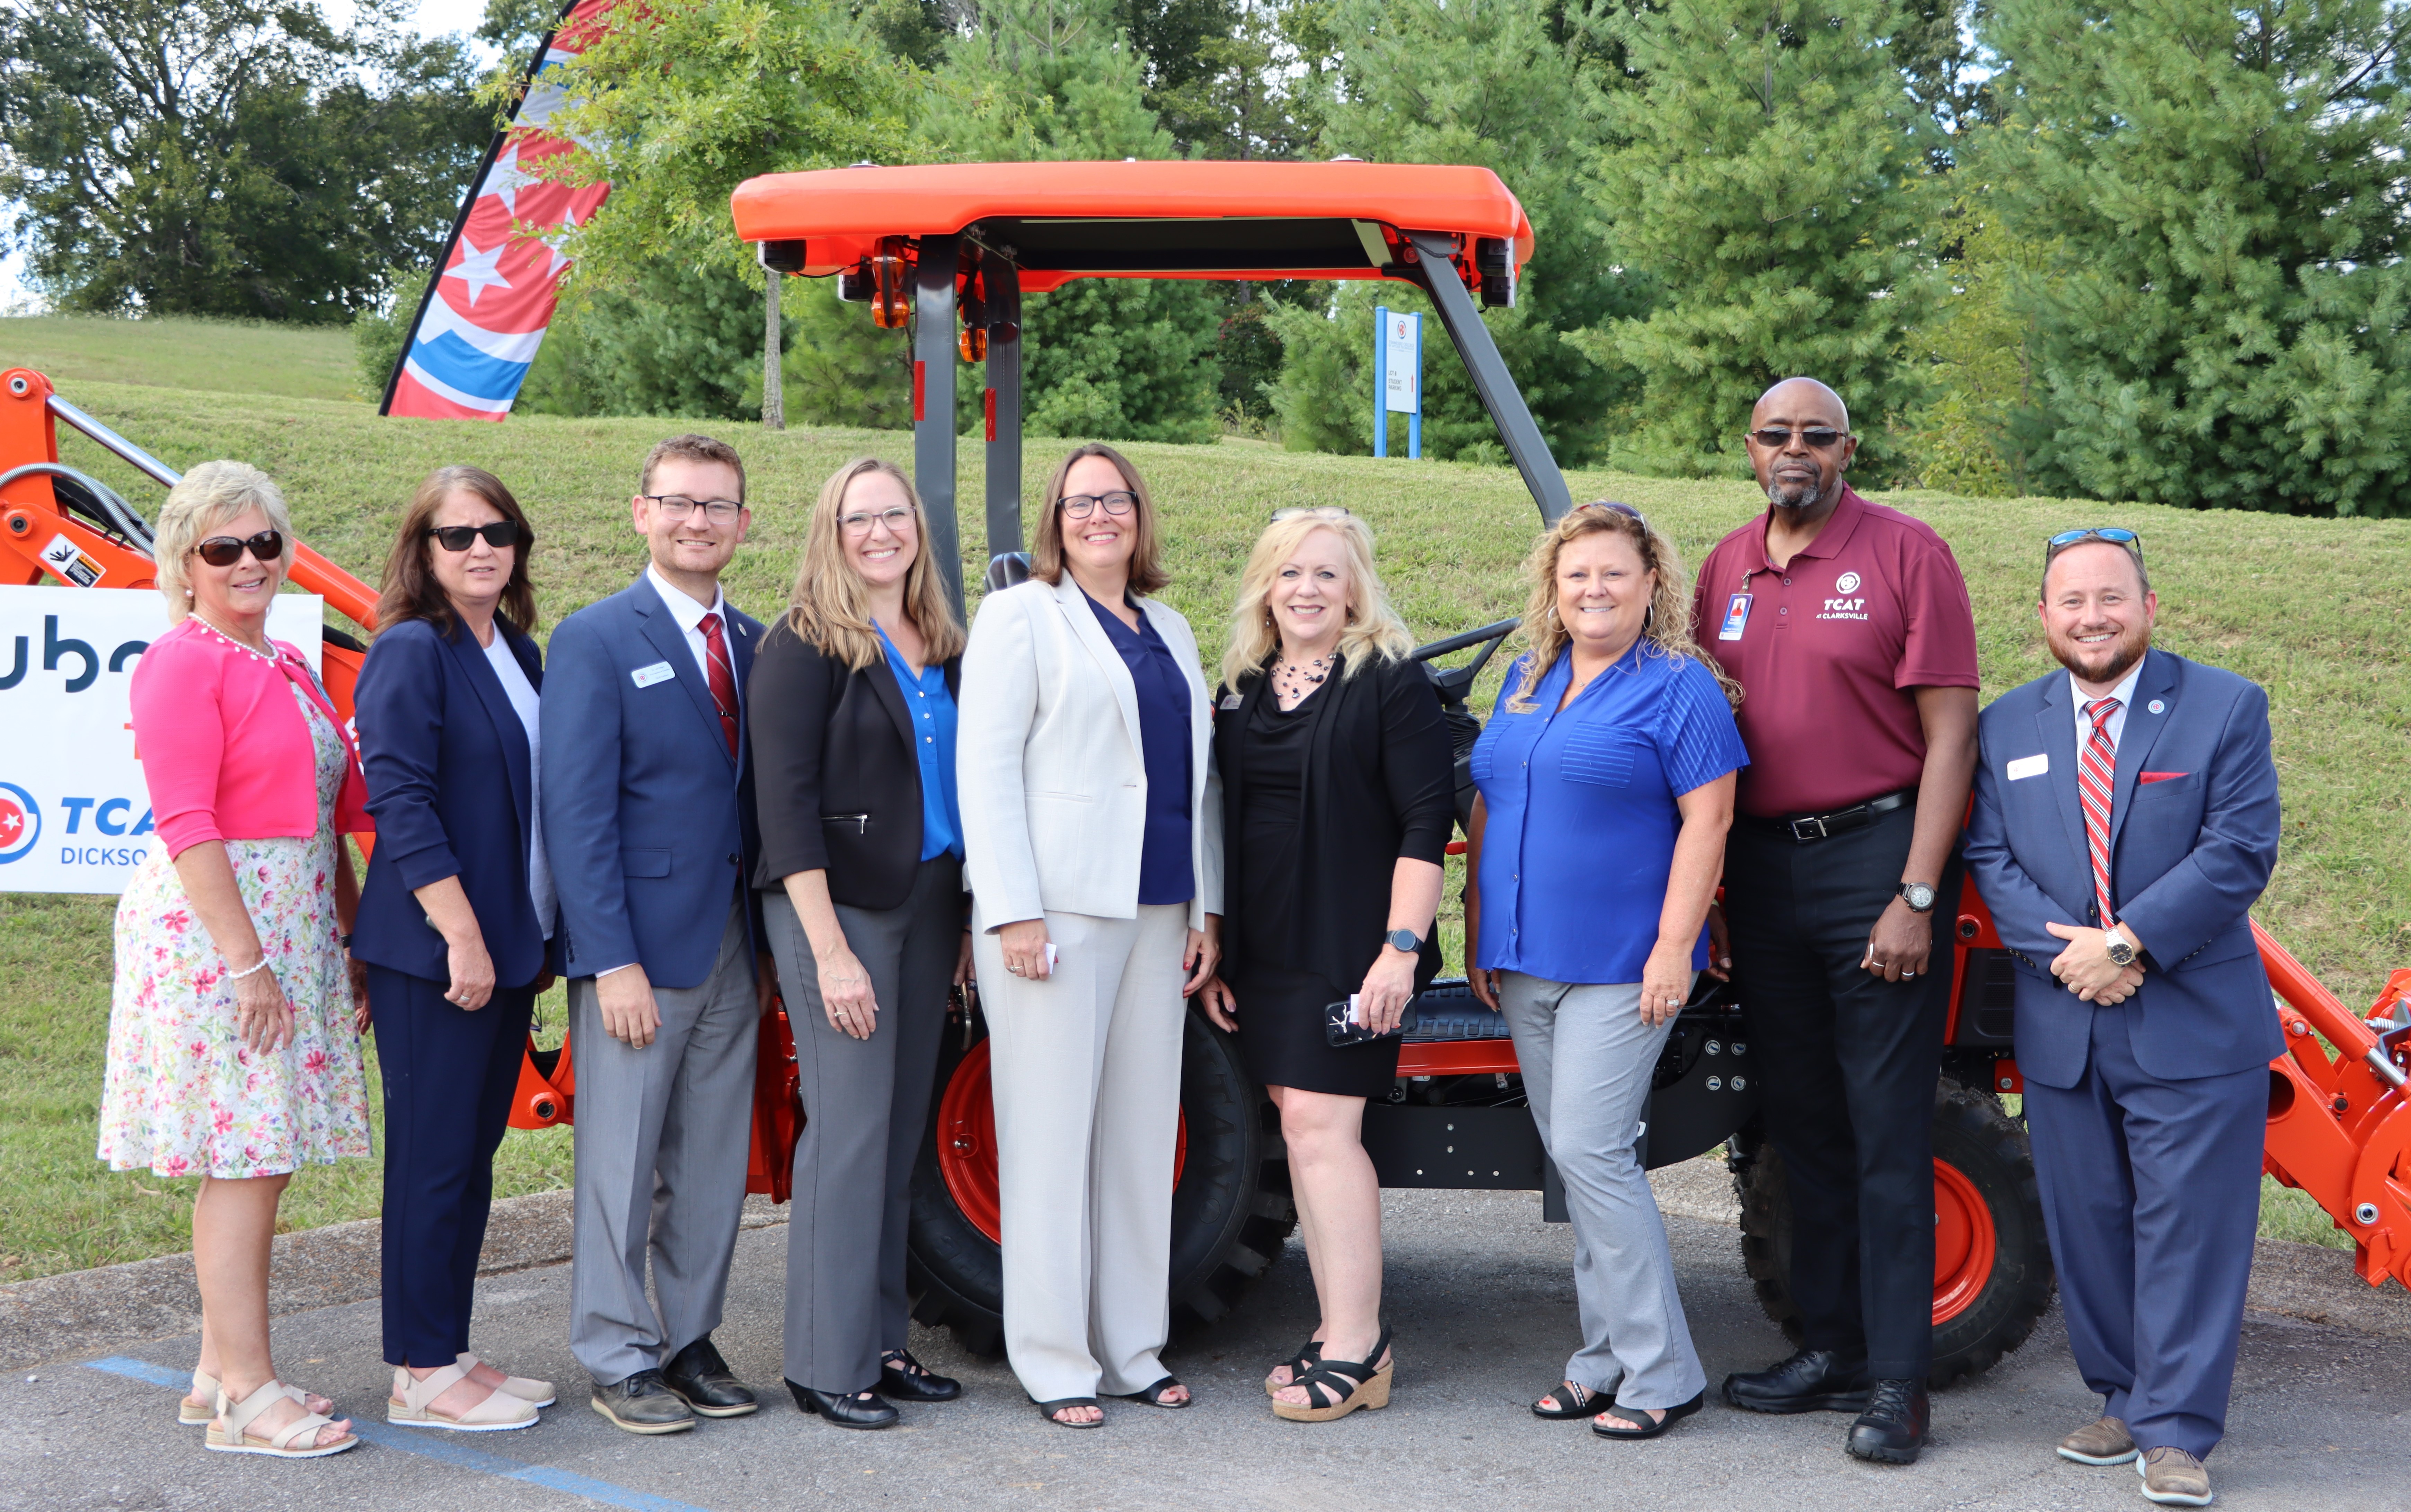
2228,321
1768,173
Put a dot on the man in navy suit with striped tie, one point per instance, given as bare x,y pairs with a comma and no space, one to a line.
2126,821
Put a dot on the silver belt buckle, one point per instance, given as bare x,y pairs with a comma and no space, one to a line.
1802,834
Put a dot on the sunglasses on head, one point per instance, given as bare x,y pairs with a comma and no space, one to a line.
1609,506
2115,536
225,550
499,534
1818,437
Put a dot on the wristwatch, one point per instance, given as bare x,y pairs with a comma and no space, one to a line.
2117,949
1404,939
1919,898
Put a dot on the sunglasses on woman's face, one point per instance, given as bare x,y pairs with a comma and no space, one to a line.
499,534
225,550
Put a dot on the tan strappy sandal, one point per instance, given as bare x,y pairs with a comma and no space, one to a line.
413,1404
526,1388
296,1440
190,1413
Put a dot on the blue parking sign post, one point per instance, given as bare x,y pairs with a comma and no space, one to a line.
1398,377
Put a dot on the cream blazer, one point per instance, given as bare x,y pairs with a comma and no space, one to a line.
1049,766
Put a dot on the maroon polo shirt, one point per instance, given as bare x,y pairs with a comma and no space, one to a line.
1830,650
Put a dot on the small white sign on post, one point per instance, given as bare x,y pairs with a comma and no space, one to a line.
75,814
1402,341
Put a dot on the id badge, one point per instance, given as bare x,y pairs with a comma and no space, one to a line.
1737,616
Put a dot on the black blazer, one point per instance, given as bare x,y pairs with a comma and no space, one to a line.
1379,786
835,777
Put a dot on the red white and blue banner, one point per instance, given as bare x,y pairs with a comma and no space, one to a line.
479,327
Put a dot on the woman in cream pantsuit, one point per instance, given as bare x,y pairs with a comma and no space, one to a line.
1093,846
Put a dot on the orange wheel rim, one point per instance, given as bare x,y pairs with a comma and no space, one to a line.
967,1143
1964,1242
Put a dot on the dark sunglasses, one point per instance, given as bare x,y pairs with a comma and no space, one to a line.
225,550
1779,437
2115,536
1609,505
499,534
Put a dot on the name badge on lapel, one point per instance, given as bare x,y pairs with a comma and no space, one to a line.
647,677
2025,766
1230,701
1737,616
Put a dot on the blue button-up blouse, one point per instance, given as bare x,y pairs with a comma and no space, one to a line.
1164,873
1579,837
933,710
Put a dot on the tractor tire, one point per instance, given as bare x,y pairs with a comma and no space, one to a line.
1232,1213
1994,1278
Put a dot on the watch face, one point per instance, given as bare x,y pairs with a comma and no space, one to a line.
1918,895
1404,939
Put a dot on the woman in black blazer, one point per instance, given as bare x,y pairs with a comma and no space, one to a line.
1337,807
453,922
852,695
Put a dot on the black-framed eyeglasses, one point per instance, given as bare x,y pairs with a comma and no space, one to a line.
2116,535
894,517
1817,437
498,534
677,506
225,550
1333,513
1081,505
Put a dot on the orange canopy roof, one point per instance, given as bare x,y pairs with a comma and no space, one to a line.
1060,221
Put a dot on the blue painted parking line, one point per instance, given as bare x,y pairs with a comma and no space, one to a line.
435,1445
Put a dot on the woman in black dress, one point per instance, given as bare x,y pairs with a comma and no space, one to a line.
1336,808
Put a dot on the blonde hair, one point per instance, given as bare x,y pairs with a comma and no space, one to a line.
830,606
209,497
1374,630
1666,628
1146,572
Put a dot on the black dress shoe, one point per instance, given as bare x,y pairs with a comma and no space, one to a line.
699,1374
850,1410
907,1379
1892,1429
642,1404
1813,1380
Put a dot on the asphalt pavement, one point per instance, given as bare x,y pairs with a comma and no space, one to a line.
1478,1291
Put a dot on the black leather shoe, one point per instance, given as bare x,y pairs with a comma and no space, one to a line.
699,1374
1892,1429
854,1410
1813,1380
907,1379
643,1403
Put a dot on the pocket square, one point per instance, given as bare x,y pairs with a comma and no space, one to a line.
2160,777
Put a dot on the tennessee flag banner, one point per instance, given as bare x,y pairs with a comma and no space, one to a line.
481,322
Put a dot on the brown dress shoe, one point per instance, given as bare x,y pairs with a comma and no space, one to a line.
2102,1442
2172,1478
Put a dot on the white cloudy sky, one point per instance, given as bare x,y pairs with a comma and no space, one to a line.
434,18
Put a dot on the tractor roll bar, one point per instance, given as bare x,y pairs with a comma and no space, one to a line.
142,461
1491,379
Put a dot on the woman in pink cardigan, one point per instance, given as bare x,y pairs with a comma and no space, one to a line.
234,1035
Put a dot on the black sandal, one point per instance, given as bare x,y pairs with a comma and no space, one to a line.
1153,1395
1644,1426
1308,1355
1048,1409
1570,1400
1335,1388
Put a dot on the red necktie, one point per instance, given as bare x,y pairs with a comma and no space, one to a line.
2095,780
723,680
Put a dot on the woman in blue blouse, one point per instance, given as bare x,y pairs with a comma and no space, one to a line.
852,696
1606,776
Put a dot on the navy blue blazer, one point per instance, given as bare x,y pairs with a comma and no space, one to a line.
448,781
649,822
2190,853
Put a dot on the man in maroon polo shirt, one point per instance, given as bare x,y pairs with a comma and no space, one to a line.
1848,628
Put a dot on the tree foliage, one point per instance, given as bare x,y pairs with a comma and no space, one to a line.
230,157
1766,171
2227,319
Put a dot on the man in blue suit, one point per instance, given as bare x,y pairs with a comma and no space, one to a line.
2126,821
649,822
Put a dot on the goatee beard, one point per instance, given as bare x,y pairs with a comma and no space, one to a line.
1792,495
2122,662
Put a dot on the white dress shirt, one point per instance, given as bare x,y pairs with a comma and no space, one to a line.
523,695
2124,693
690,616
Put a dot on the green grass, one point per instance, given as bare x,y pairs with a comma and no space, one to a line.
2314,609
231,356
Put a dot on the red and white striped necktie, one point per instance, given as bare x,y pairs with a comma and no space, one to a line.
2097,777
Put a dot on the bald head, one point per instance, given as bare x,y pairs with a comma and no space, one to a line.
1797,394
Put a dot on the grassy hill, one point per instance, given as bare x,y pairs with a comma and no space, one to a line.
2314,609
229,357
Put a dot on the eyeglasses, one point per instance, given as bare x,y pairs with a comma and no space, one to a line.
2114,534
498,534
225,550
1081,505
677,506
896,517
1779,437
1321,512
1606,505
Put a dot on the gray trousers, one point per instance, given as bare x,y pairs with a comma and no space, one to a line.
866,1102
661,1139
1586,1057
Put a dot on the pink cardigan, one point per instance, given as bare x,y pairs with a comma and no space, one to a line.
225,753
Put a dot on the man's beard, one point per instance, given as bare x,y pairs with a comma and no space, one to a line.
1794,495
2123,653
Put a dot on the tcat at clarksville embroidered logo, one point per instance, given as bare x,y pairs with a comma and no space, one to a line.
1845,606
1847,583
20,821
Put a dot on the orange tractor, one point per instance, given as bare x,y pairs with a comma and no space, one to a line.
945,254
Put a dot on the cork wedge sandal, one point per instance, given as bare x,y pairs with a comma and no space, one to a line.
1335,1388
296,1440
413,1404
190,1413
1309,1354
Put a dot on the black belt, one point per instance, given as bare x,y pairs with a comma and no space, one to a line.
1804,829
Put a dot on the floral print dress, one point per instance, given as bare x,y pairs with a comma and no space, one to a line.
184,1094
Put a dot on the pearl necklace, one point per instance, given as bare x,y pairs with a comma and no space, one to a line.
1291,683
213,627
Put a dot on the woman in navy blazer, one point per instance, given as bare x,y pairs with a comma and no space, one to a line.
454,920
